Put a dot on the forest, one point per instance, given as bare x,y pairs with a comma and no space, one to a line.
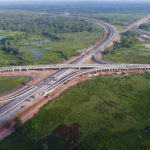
35,24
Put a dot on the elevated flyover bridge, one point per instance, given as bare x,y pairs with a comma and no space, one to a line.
102,67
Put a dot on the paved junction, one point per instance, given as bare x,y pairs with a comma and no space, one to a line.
23,99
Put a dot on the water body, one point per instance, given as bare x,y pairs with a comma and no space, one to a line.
37,43
33,43
48,47
146,128
11,60
145,50
146,45
35,53
1,37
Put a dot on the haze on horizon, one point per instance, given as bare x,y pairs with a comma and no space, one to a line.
20,1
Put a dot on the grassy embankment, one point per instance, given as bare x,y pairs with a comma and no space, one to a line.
139,54
60,50
7,84
112,112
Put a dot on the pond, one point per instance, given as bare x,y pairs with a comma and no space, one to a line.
13,61
33,43
38,43
35,53
1,37
146,45
48,48
146,128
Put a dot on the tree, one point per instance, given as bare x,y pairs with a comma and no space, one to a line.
45,146
24,57
18,123
1,52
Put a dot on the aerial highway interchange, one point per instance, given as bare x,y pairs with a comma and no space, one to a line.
21,100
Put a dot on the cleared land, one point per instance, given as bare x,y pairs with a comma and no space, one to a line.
112,112
139,54
8,84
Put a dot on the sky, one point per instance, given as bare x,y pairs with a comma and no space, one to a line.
74,0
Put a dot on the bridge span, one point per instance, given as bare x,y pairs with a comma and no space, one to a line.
78,66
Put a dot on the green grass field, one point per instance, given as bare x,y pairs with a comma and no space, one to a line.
120,28
8,33
8,84
112,112
138,54
53,141
62,50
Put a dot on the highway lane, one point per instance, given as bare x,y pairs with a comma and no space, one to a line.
49,80
20,103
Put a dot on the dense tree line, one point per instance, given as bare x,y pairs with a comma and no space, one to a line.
10,46
11,42
129,39
35,24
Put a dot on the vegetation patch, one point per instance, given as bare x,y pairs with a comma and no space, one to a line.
44,39
145,27
138,54
8,84
112,113
51,142
128,50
